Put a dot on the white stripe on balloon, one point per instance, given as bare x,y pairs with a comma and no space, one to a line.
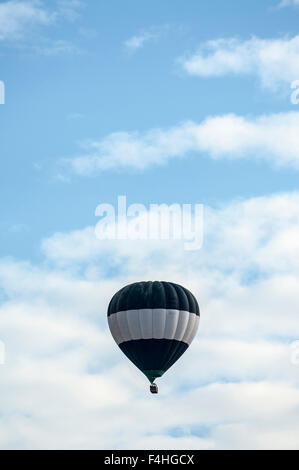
157,323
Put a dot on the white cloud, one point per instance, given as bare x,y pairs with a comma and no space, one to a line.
74,116
57,47
287,3
255,239
274,138
16,16
66,385
274,61
137,42
19,20
69,9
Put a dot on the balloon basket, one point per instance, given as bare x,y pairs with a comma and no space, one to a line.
154,388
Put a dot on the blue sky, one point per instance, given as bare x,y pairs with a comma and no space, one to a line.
57,99
162,102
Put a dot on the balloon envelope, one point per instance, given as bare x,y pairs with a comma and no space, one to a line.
153,323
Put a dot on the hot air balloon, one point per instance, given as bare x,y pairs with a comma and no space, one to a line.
153,323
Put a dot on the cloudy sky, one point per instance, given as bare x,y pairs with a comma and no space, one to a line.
164,102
